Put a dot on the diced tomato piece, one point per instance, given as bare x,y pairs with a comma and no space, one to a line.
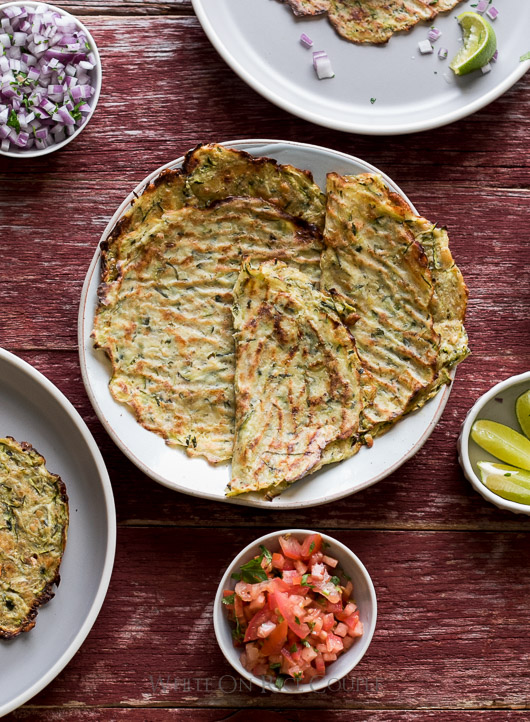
308,654
311,545
329,621
296,655
276,640
285,653
330,561
334,608
329,657
278,561
348,642
348,610
358,630
342,629
239,612
292,577
315,558
300,567
320,665
261,669
347,591
291,547
288,565
290,611
264,615
352,620
334,644
228,593
257,604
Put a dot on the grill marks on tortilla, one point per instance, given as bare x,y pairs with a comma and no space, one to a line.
214,172
308,7
372,21
297,386
375,21
33,530
373,261
165,321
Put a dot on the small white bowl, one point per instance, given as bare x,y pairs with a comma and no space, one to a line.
498,404
92,102
363,592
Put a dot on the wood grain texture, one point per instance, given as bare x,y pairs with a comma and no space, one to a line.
30,713
127,7
450,570
448,633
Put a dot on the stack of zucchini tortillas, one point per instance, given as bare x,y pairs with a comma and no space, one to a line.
250,317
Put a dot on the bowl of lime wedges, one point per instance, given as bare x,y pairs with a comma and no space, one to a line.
494,445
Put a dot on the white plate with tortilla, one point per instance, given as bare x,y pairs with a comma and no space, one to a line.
172,467
377,90
32,409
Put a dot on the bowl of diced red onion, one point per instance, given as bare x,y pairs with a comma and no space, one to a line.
50,78
295,611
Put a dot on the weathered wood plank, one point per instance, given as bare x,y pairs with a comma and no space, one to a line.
128,7
450,633
153,714
428,492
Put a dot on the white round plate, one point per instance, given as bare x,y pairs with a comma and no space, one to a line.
377,90
32,409
172,467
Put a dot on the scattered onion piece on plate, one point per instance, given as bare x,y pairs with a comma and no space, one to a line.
46,76
322,65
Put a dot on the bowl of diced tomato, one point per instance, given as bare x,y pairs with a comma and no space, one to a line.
295,611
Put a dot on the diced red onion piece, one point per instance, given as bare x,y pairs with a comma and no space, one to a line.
483,4
492,13
425,47
486,68
322,65
306,40
494,57
442,53
434,34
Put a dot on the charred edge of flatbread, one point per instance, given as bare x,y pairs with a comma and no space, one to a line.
123,224
47,593
190,163
300,11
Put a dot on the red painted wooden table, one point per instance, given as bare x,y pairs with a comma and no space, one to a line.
451,572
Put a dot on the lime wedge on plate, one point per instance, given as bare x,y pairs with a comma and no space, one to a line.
503,442
506,481
479,46
522,411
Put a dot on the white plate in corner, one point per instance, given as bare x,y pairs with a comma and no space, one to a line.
32,409
411,92
172,467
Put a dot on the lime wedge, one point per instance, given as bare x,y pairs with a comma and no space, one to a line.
506,481
503,472
479,46
503,442
522,411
